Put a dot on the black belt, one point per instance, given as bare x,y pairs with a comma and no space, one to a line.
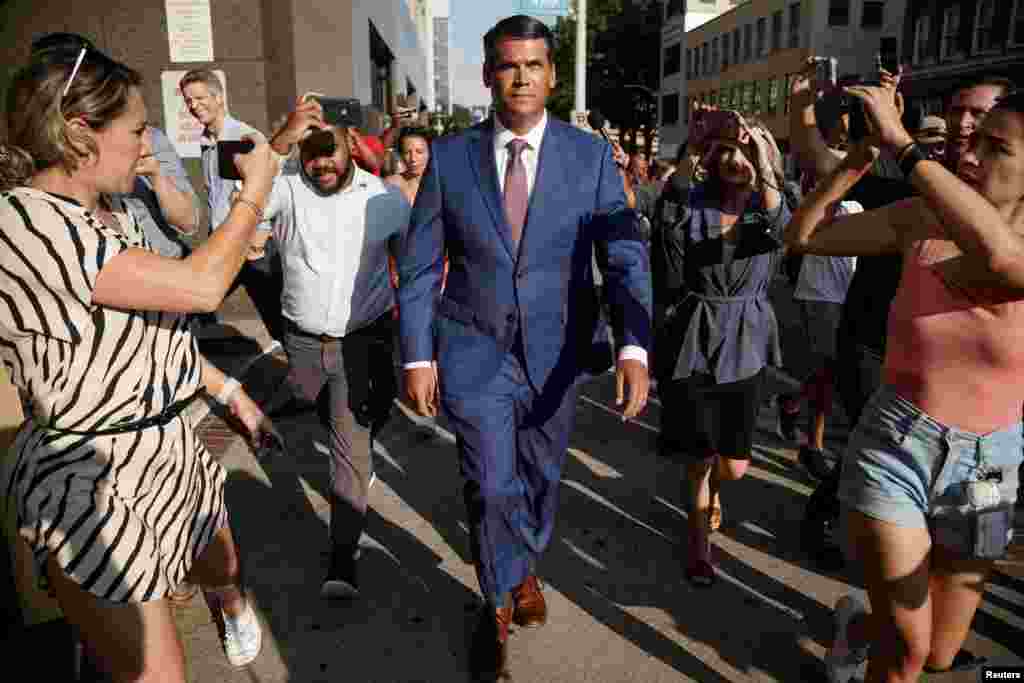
159,420
324,338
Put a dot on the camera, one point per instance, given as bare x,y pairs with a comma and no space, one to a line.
858,117
226,151
826,71
343,112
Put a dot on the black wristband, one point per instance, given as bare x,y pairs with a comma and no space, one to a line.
910,158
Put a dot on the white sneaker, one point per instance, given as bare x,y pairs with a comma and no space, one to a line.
243,637
842,661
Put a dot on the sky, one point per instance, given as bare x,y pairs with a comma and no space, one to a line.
470,20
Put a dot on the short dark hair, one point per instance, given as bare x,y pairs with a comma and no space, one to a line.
518,27
407,133
979,81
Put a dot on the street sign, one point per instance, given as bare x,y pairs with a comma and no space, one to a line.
550,8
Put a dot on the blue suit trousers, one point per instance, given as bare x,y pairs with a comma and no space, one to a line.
512,442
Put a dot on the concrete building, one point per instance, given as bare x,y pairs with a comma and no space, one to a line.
744,58
945,44
269,52
442,66
422,12
680,16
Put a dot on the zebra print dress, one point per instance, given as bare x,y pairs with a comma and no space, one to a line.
124,515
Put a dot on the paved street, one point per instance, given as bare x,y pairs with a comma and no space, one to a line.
620,610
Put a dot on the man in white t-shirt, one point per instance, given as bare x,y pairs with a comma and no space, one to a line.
334,225
820,292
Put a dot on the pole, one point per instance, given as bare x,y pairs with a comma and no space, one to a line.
581,57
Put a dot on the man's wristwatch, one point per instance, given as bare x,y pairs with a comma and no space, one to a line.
909,158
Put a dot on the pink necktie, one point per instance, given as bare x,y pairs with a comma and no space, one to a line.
517,195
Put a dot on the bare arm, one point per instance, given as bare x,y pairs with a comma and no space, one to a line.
979,228
169,180
808,145
180,208
137,279
814,230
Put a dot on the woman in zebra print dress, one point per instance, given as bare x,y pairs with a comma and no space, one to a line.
117,499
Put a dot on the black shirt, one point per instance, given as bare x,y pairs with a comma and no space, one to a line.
866,310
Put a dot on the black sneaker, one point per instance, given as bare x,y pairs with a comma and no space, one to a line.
814,462
787,422
341,582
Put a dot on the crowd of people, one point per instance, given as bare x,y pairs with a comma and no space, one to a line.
490,263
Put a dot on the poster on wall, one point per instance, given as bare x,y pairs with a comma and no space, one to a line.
190,30
182,128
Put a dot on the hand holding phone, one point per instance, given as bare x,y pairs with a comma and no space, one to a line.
344,112
226,151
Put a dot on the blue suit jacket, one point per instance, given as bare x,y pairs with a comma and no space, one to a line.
547,289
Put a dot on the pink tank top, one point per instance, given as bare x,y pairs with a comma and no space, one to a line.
957,353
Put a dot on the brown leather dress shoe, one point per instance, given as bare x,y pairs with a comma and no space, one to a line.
531,610
488,656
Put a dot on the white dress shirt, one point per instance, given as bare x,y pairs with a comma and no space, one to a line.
530,156
334,251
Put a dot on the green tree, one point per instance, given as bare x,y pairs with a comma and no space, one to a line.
623,65
461,117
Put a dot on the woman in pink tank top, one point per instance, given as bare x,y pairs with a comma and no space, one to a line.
929,478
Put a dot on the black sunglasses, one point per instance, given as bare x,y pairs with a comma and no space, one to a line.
59,46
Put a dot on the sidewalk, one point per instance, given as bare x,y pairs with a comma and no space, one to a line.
619,610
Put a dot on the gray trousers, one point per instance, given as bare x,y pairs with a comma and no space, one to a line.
357,373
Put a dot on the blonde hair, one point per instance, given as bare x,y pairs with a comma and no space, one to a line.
38,111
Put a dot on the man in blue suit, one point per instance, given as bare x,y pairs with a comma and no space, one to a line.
520,204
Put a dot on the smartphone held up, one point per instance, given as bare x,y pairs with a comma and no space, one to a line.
226,151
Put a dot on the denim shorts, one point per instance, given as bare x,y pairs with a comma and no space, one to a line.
902,466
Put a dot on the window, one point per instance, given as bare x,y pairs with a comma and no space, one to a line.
747,105
984,27
689,63
673,54
794,25
674,7
773,94
758,101
714,55
950,45
670,109
873,15
686,109
1017,23
762,29
838,12
696,63
704,59
922,35
736,45
725,51
748,34
736,99
786,85
777,31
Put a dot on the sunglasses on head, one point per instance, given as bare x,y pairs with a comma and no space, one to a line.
62,45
